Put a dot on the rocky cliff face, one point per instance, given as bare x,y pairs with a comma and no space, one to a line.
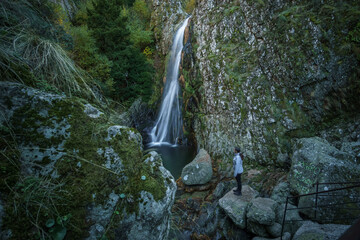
268,70
71,171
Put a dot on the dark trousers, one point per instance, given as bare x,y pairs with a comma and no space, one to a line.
238,180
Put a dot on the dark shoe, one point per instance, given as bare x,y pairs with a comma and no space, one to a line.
235,190
237,193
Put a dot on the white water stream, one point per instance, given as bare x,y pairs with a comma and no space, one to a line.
168,126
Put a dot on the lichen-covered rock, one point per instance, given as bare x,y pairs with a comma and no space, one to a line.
280,192
199,171
312,230
315,160
261,213
236,207
165,19
263,81
92,172
153,219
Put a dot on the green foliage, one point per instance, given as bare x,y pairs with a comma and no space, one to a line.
142,9
85,54
121,41
139,37
35,199
354,35
32,44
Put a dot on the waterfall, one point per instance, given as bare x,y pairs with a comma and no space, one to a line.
168,126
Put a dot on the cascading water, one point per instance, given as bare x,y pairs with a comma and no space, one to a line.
168,125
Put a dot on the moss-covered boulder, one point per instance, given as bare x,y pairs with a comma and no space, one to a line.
76,175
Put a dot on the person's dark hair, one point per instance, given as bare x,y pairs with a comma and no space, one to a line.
237,149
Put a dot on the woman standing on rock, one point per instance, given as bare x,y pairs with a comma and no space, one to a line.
238,170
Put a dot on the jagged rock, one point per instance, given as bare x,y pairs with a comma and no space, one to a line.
98,168
312,230
292,221
280,192
314,159
235,206
286,236
199,171
261,212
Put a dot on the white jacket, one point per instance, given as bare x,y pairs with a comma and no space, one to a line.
237,164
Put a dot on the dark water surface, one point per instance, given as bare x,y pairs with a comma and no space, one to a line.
175,158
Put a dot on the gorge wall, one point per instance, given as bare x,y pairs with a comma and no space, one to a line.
258,74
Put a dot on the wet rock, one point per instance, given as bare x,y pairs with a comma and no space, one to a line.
314,159
312,230
199,171
236,206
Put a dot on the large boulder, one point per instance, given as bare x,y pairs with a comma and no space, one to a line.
315,160
261,213
235,206
280,192
199,171
312,230
77,173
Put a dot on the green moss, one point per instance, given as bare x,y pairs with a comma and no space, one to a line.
82,168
